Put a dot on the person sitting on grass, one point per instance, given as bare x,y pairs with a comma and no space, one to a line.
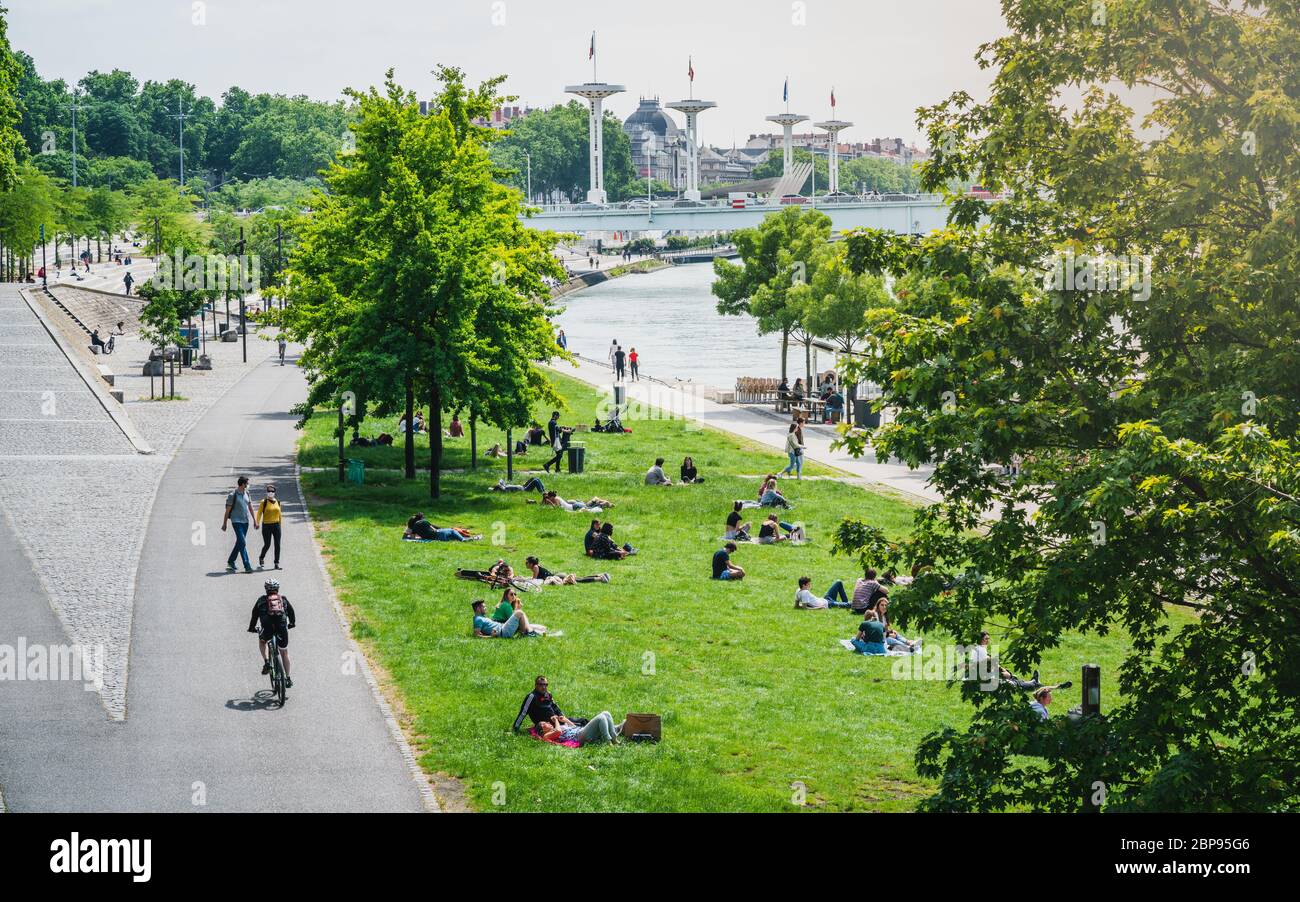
604,548
419,528
495,451
834,597
1042,698
536,435
543,577
723,568
892,638
736,529
690,475
456,429
867,591
595,505
515,625
770,532
772,497
656,475
870,639
981,663
532,485
589,540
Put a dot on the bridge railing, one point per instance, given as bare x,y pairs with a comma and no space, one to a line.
725,204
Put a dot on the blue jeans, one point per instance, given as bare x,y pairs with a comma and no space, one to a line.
836,591
869,648
448,534
772,499
241,545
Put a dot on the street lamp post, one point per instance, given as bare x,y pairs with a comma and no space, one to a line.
529,158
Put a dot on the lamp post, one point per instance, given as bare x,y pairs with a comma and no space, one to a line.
529,159
45,271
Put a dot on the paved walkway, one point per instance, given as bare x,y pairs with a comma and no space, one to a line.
759,427
199,733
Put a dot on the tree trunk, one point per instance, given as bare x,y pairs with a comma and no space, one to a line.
807,362
473,442
785,351
435,439
409,438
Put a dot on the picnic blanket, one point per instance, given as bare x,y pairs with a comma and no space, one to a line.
567,743
892,653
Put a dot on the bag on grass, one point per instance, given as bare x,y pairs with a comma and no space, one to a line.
643,728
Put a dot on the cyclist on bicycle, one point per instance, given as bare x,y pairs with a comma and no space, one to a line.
273,615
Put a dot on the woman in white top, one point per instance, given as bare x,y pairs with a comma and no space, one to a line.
794,449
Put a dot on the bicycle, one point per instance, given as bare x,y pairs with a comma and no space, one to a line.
277,669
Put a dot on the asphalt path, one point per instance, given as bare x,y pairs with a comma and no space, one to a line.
202,732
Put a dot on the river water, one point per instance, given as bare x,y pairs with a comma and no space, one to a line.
671,318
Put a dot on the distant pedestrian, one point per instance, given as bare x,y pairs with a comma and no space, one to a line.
128,281
632,359
269,511
620,357
613,346
281,344
239,514
562,340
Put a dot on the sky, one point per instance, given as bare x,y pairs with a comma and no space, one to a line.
883,58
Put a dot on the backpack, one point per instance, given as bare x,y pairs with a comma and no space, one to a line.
275,605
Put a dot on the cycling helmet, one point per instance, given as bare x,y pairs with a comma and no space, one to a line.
272,585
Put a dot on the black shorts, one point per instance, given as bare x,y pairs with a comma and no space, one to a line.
280,631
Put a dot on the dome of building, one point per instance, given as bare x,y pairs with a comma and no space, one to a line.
650,116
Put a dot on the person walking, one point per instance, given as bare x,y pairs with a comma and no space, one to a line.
270,514
239,514
794,449
613,346
281,344
128,281
562,340
632,359
620,358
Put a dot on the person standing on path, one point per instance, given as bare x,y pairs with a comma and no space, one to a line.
620,357
794,449
562,340
239,514
632,358
271,516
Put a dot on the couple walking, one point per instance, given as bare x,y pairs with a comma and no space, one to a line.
240,514
621,359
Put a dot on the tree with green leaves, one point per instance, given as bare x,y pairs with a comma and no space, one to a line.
10,140
416,254
776,258
1123,321
557,139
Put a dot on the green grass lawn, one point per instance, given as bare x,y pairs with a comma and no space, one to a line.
755,695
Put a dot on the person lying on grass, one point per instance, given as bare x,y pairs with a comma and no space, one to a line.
594,506
770,532
495,451
543,577
532,485
892,639
419,528
656,475
600,729
540,707
516,624
604,548
834,597
723,568
735,528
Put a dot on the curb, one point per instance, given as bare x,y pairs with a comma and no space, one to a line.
427,795
94,383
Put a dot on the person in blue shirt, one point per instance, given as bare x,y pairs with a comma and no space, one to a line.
487,628
1042,698
871,636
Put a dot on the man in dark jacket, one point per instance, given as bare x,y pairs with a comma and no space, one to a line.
273,615
539,706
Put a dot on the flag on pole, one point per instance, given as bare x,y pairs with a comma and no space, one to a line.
591,52
832,98
785,92
690,69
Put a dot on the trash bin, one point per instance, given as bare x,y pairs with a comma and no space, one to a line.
356,471
863,416
187,356
577,457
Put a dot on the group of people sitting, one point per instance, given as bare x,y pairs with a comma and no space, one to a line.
418,529
690,475
770,531
551,724
599,543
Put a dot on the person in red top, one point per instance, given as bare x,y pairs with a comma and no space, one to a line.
632,358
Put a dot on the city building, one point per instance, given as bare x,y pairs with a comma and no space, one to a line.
664,157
